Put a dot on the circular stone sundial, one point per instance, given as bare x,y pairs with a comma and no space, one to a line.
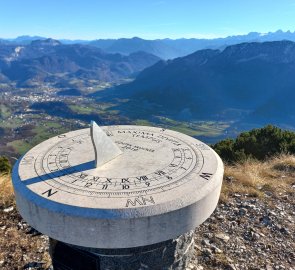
118,186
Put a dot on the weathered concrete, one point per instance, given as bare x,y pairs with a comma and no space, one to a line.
162,186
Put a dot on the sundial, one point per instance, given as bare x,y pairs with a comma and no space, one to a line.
117,186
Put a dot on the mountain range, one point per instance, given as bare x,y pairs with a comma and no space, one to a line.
49,60
165,48
251,82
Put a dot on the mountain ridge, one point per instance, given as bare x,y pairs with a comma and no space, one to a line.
42,59
252,79
167,48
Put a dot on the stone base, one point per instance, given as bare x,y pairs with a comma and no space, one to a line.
172,254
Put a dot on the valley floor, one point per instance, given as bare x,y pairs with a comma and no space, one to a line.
252,228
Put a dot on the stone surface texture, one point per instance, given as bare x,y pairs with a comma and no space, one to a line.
163,185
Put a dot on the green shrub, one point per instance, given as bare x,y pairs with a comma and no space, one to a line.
5,166
257,143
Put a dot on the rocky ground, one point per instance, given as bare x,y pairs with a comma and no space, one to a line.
248,233
252,228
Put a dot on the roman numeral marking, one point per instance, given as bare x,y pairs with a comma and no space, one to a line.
49,192
172,165
88,185
160,173
206,176
83,176
142,178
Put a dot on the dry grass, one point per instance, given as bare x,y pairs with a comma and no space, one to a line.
255,178
17,248
6,191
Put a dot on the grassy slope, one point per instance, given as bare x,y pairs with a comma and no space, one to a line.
257,178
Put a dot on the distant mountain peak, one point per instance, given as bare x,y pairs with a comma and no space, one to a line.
28,38
46,42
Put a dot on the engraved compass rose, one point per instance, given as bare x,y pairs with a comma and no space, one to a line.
106,181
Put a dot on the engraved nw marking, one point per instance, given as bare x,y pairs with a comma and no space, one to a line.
124,180
206,175
49,192
109,180
173,165
168,177
83,175
105,186
140,201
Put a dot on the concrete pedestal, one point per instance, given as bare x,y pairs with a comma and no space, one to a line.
172,254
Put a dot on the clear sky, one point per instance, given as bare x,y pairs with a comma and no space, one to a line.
150,19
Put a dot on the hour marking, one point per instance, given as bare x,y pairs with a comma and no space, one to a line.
206,176
160,173
143,177
88,185
125,186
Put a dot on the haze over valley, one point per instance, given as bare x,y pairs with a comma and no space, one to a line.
213,89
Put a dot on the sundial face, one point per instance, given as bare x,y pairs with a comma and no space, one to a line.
155,163
119,187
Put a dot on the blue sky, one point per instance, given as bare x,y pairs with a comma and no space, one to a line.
150,19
